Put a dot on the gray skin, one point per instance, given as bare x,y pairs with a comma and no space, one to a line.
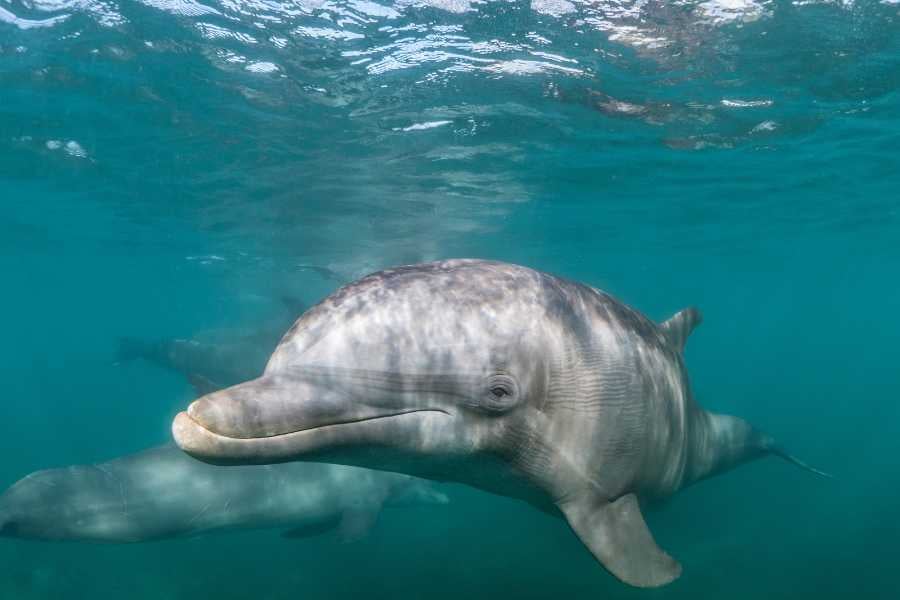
163,493
494,375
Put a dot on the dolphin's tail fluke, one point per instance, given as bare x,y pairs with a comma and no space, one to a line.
722,442
782,453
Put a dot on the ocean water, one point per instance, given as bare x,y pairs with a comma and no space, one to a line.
171,168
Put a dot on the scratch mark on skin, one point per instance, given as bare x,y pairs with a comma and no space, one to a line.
200,514
123,497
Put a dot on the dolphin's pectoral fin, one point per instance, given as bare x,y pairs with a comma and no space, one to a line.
617,536
313,528
351,525
679,327
356,521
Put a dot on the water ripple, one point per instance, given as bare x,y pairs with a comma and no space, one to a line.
398,127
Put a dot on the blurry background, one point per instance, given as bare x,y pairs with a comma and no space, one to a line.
169,167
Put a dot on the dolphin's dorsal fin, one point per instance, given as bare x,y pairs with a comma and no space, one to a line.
679,327
617,536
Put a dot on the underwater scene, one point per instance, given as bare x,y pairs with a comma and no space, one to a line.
182,180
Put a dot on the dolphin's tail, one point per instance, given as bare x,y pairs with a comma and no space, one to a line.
723,442
782,453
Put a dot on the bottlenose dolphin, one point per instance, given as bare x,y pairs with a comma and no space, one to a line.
215,359
495,375
164,493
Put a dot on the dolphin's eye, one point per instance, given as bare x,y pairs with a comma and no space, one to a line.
501,393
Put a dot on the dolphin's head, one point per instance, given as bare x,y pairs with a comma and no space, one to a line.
77,502
451,360
29,506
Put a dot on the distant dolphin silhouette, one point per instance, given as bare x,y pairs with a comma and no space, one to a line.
495,375
213,360
163,493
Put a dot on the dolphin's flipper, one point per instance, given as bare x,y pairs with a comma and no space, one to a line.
356,521
313,528
679,327
617,536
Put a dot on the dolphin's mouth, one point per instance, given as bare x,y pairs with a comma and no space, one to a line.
193,437
199,422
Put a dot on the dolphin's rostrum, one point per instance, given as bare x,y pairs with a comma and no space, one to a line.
495,375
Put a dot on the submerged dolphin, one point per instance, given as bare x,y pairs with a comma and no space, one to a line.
495,375
214,359
163,493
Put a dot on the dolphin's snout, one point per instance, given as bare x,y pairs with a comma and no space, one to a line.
219,414
193,438
258,409
207,446
273,406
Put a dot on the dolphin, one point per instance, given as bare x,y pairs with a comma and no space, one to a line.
214,359
163,493
495,375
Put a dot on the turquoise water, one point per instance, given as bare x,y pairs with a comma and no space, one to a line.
170,168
